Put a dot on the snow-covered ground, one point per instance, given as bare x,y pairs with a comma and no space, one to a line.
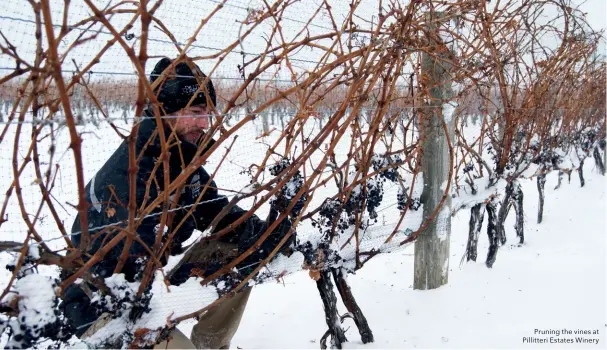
555,281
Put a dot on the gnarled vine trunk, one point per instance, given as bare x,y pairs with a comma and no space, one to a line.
558,185
366,335
598,160
503,213
477,213
541,182
580,171
329,303
492,232
517,201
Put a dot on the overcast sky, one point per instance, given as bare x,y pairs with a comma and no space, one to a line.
597,12
596,15
182,18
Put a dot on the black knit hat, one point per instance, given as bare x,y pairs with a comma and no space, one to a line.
179,86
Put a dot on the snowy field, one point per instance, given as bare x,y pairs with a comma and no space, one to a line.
555,281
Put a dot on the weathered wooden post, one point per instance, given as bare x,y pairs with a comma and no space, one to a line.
265,121
432,246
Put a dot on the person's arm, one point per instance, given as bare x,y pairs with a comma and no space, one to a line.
245,234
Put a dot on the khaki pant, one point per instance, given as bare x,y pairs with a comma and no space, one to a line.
214,329
217,326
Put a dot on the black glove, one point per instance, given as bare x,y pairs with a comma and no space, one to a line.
255,228
77,309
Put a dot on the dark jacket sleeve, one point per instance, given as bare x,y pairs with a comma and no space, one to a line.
108,194
213,203
247,233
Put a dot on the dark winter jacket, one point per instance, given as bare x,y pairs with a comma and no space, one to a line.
108,196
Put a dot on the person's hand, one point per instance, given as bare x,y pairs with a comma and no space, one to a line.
255,229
